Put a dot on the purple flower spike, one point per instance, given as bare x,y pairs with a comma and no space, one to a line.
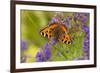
88,36
53,20
23,45
67,24
47,46
43,55
76,15
69,18
86,50
85,28
84,20
65,21
39,57
86,43
47,52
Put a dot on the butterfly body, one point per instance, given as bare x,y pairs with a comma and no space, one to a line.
56,31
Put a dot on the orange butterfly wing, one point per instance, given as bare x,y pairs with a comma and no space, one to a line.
64,28
66,39
55,25
47,31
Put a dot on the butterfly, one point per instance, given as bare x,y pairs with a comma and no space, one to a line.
57,31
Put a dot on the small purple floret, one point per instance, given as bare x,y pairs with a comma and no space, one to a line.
85,28
39,57
53,42
23,45
47,51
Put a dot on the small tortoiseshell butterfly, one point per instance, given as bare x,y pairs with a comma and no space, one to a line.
57,31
